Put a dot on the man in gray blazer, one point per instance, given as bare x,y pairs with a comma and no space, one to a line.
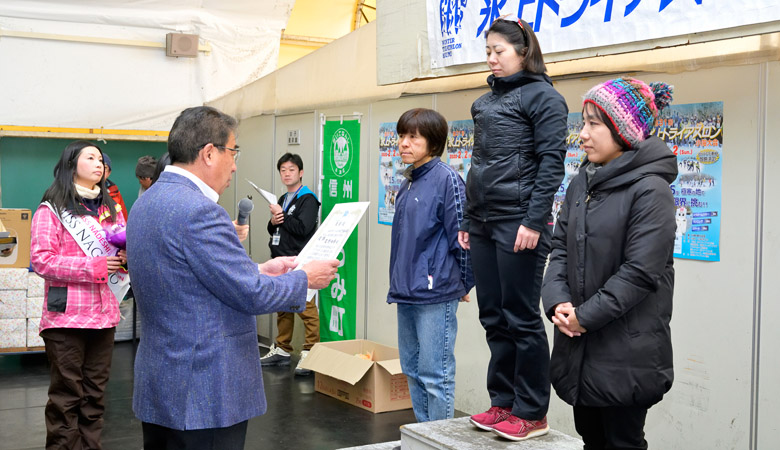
197,371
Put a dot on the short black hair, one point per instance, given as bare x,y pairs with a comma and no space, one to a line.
290,157
145,167
429,124
196,127
164,160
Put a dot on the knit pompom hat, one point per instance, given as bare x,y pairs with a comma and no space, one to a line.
631,105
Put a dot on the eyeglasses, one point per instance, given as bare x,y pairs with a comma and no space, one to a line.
236,150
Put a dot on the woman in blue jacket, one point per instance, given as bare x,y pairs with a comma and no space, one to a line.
429,272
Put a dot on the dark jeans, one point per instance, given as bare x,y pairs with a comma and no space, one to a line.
80,363
614,427
508,293
157,437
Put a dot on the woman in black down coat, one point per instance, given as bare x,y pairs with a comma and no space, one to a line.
517,166
609,285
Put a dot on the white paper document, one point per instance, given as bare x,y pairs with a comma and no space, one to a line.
268,196
331,236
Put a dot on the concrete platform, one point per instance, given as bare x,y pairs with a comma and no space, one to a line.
383,446
459,434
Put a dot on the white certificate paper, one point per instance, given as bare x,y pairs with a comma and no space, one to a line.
332,234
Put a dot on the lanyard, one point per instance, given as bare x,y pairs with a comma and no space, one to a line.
288,198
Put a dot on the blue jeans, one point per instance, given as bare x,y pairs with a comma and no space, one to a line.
426,343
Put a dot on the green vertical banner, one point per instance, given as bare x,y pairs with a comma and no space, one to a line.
341,170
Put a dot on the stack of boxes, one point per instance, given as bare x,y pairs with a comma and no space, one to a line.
21,292
21,304
34,309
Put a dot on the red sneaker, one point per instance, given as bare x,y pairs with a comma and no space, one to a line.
492,416
517,429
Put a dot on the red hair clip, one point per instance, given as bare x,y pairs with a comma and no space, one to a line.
515,19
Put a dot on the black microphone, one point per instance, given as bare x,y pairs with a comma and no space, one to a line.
245,206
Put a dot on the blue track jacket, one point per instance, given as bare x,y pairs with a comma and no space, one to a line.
427,265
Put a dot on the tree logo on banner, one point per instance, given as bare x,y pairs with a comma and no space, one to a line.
341,146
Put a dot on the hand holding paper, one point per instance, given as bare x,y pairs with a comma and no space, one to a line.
277,215
330,237
321,273
277,266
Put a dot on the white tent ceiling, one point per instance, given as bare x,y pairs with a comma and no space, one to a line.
83,63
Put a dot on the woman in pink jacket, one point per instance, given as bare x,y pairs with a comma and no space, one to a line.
80,312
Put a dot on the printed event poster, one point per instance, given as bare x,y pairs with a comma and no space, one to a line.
391,170
694,132
460,145
341,166
574,157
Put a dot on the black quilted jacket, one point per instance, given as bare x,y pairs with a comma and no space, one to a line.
517,163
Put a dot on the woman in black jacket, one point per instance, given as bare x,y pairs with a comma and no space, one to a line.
517,166
609,285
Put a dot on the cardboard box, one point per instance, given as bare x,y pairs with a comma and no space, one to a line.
13,333
13,304
17,222
13,279
33,338
376,386
35,285
34,307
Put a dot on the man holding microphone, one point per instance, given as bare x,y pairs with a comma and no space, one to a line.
198,377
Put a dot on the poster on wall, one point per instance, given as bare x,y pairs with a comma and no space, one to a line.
456,27
391,170
694,133
460,145
574,157
340,170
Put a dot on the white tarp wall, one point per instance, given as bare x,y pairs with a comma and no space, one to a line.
49,80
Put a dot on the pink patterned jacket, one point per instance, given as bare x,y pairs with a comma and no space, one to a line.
57,258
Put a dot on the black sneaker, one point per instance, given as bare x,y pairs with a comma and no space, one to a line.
275,357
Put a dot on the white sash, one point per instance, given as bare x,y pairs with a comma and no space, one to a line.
89,235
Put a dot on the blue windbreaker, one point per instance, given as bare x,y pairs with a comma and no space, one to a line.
427,265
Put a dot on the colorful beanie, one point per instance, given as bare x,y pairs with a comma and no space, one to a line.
631,105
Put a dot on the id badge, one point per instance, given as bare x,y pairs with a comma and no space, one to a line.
275,238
